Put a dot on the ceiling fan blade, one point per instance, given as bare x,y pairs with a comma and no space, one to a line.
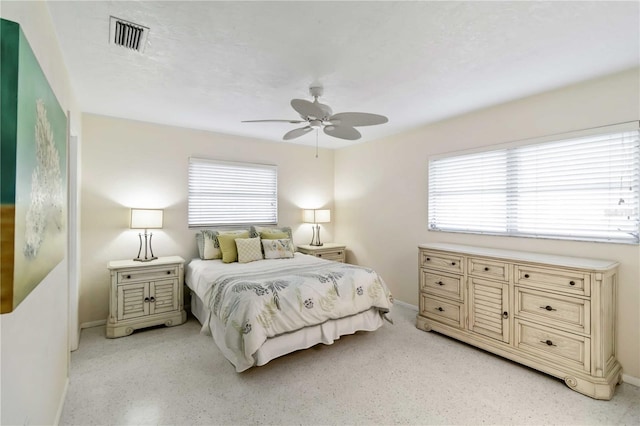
274,121
355,119
342,132
307,109
296,133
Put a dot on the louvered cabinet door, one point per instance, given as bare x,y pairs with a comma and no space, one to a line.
488,308
133,300
163,296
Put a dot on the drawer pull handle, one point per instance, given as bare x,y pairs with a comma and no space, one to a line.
439,308
128,277
440,283
340,253
526,275
572,283
548,308
152,299
168,272
453,263
146,300
547,342
505,315
319,255
428,259
486,269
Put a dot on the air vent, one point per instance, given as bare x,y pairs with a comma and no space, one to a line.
127,34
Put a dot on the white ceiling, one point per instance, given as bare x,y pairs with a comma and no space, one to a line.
209,65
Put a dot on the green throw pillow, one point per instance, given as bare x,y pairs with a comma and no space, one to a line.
228,246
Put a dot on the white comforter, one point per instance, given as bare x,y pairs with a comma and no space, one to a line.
262,299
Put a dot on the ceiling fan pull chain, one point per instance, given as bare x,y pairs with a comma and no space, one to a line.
316,142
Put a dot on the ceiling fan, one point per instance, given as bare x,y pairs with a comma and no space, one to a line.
317,115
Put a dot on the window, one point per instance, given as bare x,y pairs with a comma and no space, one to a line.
227,194
579,187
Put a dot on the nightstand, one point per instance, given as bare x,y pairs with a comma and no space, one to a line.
328,251
143,294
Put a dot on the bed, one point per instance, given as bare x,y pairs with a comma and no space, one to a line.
264,309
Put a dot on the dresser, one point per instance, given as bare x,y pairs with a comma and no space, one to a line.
328,251
143,294
553,313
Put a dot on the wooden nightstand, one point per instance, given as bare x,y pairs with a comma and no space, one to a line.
328,251
144,294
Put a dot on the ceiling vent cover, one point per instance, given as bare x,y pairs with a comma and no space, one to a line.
127,34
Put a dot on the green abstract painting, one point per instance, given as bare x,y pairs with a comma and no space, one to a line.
33,153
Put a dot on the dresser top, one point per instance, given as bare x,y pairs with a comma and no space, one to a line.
525,256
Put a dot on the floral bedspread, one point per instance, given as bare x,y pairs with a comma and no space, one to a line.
258,304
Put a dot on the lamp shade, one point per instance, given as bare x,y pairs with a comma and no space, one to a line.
316,216
146,218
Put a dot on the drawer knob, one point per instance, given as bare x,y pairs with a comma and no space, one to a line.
486,269
319,255
340,253
168,272
548,308
526,275
152,299
128,277
440,309
505,315
440,283
146,300
547,342
453,263
572,283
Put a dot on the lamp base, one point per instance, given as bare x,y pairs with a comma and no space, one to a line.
315,240
317,245
139,259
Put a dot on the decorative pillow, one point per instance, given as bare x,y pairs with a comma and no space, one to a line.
277,249
270,232
228,248
249,249
208,246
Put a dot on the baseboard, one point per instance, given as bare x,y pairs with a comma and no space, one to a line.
631,380
405,304
93,323
61,403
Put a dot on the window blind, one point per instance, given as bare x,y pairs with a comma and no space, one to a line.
583,188
228,194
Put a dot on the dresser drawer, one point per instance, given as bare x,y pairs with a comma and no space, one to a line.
554,345
447,312
569,313
441,284
147,274
442,261
485,268
564,280
336,256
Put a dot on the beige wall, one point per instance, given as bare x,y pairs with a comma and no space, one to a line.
34,349
381,190
134,164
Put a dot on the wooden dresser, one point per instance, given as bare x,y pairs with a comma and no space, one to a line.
552,313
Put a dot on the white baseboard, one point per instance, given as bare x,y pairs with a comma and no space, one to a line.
93,323
631,380
61,403
405,304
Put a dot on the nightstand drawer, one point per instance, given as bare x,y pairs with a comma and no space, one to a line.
441,261
133,275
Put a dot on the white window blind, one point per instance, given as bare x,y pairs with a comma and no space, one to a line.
228,194
584,188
